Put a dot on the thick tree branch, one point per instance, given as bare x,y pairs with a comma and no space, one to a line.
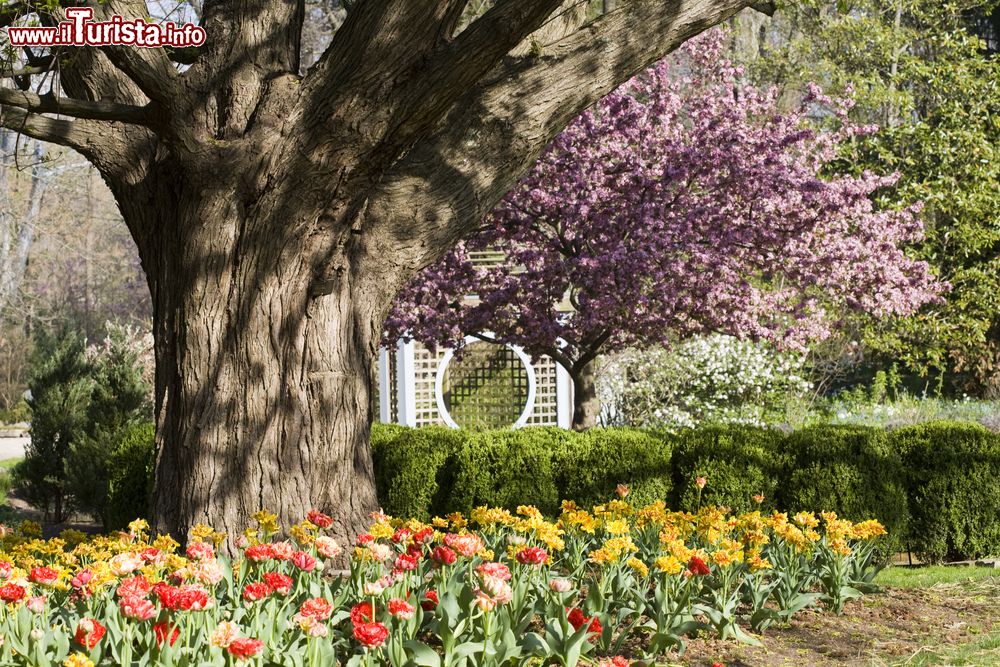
184,56
85,73
38,61
154,75
385,36
390,75
456,68
118,153
150,69
24,71
451,16
494,133
249,45
68,106
400,39
71,134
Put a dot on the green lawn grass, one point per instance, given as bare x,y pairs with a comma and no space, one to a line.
984,652
7,464
927,576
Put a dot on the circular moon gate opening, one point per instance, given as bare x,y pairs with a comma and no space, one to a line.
486,385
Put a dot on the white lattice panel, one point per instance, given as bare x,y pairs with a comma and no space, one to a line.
423,401
425,364
546,406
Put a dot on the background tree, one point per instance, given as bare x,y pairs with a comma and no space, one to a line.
76,267
277,212
685,203
60,392
17,227
931,82
120,399
84,270
19,213
84,401
711,379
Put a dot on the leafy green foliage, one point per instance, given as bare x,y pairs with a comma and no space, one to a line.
949,159
704,379
383,435
6,481
591,465
508,468
82,403
927,81
410,467
737,462
120,398
434,470
935,486
130,475
19,412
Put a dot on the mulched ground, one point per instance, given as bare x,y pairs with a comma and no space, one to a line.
881,629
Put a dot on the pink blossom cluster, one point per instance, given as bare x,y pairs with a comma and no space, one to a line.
687,201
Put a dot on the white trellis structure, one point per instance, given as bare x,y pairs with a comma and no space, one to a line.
418,387
413,386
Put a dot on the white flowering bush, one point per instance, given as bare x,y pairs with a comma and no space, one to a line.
715,379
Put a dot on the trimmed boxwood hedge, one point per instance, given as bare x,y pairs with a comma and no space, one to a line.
855,471
508,468
414,468
737,461
953,470
589,466
936,487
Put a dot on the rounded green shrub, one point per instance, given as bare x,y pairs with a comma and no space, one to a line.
953,477
130,475
508,468
591,465
737,462
413,468
851,470
384,435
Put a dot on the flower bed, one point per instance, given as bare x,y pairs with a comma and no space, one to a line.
493,588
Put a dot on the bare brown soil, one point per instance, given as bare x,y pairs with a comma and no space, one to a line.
881,629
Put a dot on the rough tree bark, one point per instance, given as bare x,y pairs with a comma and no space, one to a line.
276,213
586,405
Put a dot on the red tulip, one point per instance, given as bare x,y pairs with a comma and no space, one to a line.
88,632
697,567
361,613
163,630
244,648
371,635
280,583
256,590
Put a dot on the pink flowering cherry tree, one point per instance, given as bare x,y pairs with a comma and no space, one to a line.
685,202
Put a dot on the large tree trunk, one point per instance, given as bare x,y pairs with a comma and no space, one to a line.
263,387
586,405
